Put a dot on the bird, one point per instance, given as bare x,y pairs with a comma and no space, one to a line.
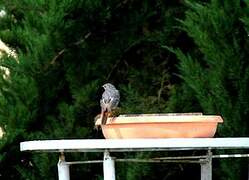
109,101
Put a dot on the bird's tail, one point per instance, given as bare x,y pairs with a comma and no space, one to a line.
103,117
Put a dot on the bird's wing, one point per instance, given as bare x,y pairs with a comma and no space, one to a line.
114,100
104,109
109,101
107,98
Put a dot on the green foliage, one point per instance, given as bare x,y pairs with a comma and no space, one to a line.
66,50
217,76
35,99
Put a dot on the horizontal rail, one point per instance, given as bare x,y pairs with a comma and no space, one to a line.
230,156
136,160
84,162
183,159
159,161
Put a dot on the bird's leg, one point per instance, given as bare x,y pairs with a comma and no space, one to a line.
104,116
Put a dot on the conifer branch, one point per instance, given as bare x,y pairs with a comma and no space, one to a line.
73,44
113,67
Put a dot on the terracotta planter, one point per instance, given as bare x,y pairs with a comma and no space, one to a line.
161,126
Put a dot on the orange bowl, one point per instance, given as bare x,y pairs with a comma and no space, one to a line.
160,126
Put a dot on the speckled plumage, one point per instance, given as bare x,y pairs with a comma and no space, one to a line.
109,101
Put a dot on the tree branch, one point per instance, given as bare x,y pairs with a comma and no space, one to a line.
74,44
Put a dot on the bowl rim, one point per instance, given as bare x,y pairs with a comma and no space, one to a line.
161,118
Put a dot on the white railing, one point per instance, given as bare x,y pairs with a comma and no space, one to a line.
134,145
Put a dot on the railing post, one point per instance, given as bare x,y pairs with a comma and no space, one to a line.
206,167
63,168
109,167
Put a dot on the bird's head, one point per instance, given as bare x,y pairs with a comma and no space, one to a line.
108,86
